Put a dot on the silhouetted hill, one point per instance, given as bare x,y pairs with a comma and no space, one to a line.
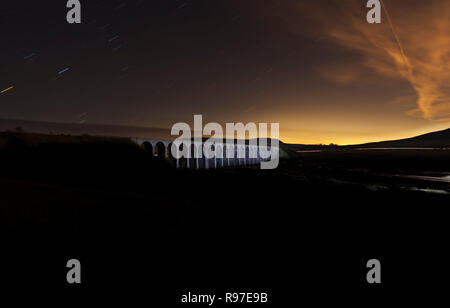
36,131
74,160
439,139
78,129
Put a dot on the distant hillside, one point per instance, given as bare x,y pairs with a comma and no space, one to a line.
83,129
439,139
35,132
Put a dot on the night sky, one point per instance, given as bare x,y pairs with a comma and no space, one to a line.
316,67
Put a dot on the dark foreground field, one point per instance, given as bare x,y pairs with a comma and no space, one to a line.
141,227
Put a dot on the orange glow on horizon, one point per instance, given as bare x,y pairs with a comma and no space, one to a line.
351,140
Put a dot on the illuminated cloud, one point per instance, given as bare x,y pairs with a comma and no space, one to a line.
411,43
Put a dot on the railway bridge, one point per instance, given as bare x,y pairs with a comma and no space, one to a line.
231,154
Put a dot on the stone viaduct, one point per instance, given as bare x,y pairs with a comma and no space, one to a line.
249,154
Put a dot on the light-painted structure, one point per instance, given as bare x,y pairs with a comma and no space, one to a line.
234,155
